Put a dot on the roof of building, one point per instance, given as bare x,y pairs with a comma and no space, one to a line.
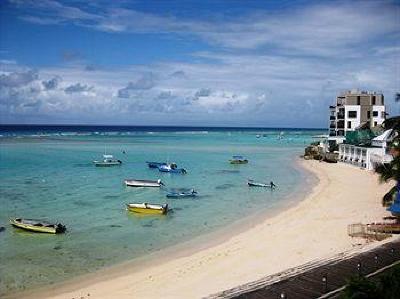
386,136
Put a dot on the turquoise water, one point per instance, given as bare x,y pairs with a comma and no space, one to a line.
52,177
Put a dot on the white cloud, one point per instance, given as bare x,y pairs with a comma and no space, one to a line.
264,69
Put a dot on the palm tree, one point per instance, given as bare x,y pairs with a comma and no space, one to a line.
391,171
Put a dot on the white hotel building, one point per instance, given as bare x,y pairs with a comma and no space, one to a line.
355,108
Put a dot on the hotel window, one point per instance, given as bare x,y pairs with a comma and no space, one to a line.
383,114
375,113
358,100
349,125
375,123
352,114
368,114
373,100
383,101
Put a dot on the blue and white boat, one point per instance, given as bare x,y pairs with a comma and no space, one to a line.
177,193
172,168
155,164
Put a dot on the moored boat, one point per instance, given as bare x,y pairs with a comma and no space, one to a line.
182,193
252,183
238,160
38,226
146,208
155,164
172,168
108,160
143,183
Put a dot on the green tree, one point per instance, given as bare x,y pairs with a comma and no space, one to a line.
360,288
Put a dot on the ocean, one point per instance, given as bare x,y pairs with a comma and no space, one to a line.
46,172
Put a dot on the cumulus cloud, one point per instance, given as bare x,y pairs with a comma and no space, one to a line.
52,83
17,78
78,87
145,82
263,68
203,92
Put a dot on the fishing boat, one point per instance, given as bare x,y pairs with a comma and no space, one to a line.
172,168
238,160
143,183
108,160
146,208
181,193
155,164
38,226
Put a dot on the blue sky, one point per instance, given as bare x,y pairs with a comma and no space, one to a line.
233,63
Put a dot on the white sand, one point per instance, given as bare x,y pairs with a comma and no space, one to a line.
316,228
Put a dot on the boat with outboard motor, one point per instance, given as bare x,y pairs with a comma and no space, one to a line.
38,226
238,160
252,183
155,164
172,168
146,208
183,192
108,160
143,183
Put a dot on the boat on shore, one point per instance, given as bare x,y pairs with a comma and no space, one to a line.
108,160
143,183
38,226
146,208
238,160
182,193
155,164
172,168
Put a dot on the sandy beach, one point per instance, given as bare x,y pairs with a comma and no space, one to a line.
315,228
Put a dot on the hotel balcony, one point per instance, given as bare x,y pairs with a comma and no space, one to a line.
340,115
340,132
332,117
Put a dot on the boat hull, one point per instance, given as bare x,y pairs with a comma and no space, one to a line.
179,195
179,170
106,164
143,183
34,228
238,161
155,164
254,184
147,209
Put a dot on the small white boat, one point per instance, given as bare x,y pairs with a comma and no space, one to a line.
108,160
143,183
172,168
38,226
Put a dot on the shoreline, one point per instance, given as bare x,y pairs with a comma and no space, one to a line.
187,264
